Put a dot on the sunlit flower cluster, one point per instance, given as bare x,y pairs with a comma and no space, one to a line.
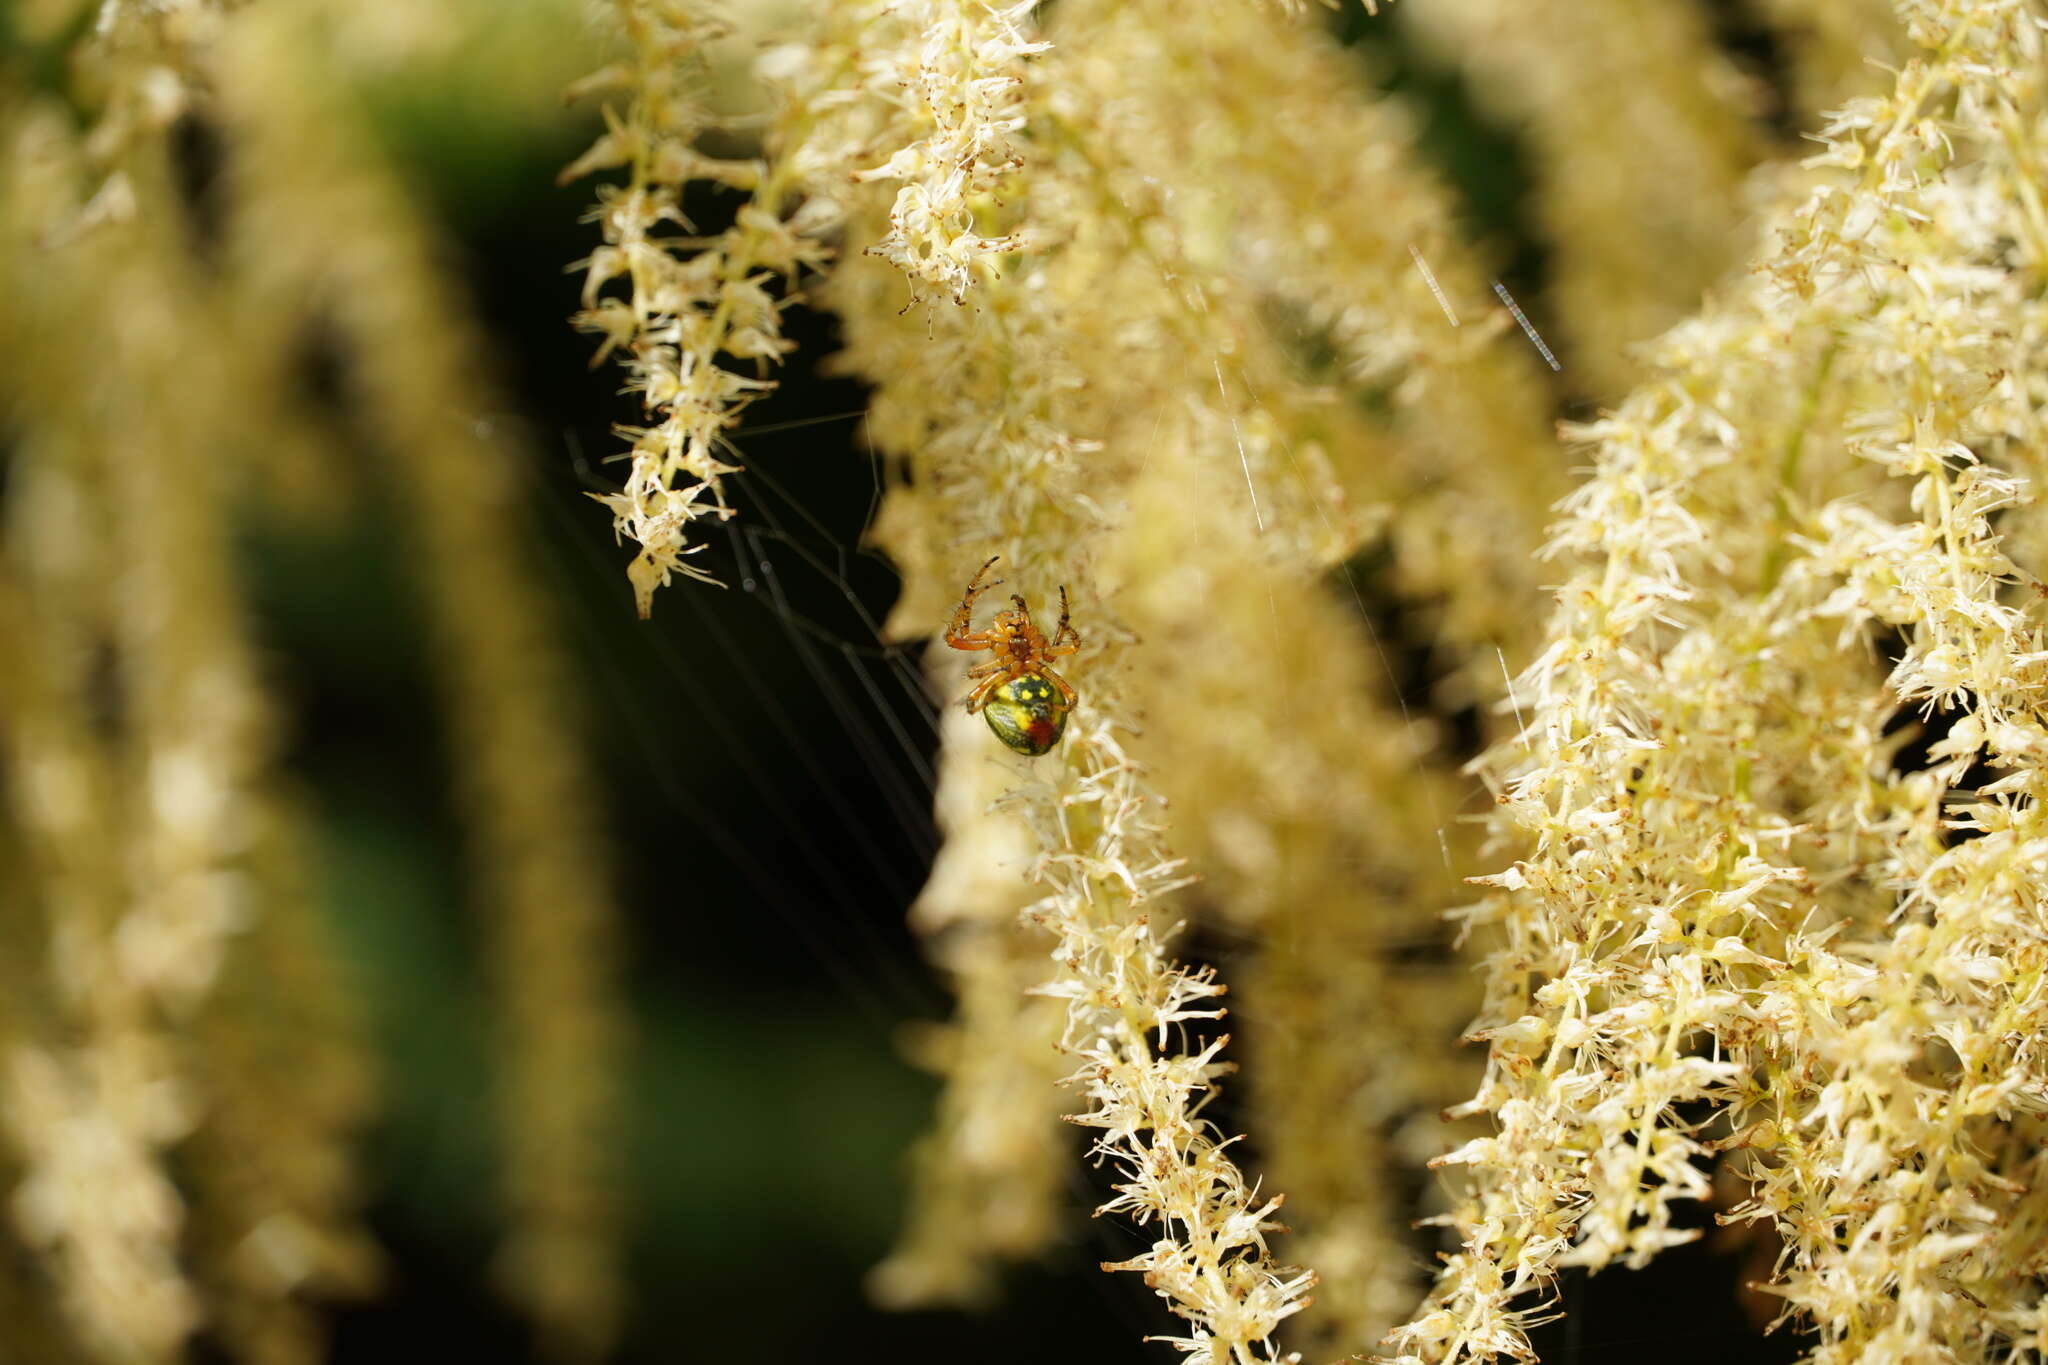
1745,926
689,319
960,71
925,96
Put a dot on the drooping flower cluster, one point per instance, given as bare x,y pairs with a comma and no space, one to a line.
926,95
1743,925
182,1072
960,73
686,321
1104,877
1058,422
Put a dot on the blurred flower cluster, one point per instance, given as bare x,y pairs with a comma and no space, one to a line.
192,202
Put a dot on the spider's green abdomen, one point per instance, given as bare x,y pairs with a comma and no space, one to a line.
1027,713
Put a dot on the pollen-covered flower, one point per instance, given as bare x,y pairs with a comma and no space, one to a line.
957,70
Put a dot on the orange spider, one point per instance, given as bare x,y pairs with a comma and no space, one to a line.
1023,700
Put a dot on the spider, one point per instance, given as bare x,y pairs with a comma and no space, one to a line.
1023,700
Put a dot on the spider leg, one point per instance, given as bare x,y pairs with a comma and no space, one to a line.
1066,688
979,696
992,666
1066,631
956,629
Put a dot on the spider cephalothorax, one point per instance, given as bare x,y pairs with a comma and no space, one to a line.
1023,700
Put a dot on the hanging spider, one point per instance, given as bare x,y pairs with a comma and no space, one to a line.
1023,700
